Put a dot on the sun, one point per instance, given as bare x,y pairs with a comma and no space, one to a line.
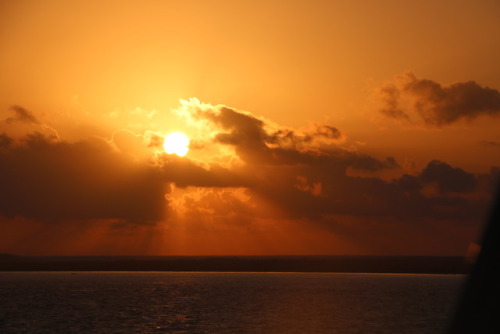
176,143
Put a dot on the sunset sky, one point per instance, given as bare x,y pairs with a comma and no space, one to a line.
315,127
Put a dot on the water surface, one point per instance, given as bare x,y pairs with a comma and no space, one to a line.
195,302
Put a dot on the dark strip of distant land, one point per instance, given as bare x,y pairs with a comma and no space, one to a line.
351,264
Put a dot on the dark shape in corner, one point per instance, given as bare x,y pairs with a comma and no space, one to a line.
479,307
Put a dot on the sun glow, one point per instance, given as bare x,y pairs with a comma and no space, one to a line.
176,143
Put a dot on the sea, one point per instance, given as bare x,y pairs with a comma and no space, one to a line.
226,302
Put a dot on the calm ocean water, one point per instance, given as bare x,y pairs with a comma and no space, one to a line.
145,302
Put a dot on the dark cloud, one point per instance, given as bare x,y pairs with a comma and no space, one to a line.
300,174
245,132
254,144
55,181
184,173
403,198
422,100
305,181
5,141
328,131
367,163
288,137
21,115
390,96
447,178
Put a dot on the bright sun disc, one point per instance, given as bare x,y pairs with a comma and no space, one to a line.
176,143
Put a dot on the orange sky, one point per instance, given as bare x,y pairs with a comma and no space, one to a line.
316,127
